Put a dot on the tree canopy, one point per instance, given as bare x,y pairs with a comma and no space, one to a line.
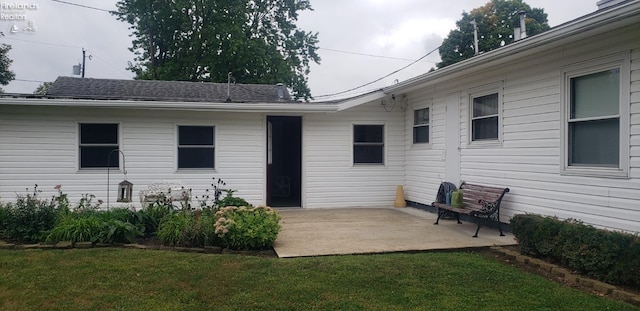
6,75
257,41
43,88
496,21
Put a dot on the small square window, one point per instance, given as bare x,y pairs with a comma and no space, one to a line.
196,146
97,141
421,126
368,144
485,117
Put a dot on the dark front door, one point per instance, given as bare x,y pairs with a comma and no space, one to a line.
284,161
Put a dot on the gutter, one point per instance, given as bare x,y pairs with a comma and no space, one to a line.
586,23
183,106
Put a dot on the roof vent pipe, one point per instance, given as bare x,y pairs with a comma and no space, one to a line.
475,36
523,24
229,86
280,91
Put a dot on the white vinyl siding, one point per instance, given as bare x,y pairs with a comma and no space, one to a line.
42,149
330,178
532,136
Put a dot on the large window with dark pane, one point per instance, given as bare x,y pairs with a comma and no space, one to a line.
484,120
97,141
196,146
594,119
368,144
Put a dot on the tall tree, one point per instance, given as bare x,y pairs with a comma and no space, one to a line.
257,41
6,75
496,21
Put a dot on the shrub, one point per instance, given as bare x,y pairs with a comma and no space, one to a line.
230,200
205,228
247,228
608,256
78,228
118,231
178,229
4,214
30,218
151,216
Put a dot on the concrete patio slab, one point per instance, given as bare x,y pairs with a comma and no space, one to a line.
319,232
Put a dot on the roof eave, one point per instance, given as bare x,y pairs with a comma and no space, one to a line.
600,19
361,100
169,105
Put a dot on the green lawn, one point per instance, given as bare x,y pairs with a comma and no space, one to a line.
122,279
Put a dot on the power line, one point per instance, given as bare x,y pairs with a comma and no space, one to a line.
44,43
369,55
376,80
33,81
84,6
110,65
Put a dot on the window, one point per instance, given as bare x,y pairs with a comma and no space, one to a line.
485,117
594,119
196,147
368,144
96,143
421,126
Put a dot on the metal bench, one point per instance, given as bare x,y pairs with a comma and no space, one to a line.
482,202
173,190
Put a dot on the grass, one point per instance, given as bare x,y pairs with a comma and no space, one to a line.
119,279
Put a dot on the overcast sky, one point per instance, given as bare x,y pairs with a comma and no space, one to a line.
399,30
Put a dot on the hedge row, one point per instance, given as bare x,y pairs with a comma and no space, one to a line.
612,257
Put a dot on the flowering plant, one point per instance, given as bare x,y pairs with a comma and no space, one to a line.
247,227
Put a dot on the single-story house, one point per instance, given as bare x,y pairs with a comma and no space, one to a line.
555,117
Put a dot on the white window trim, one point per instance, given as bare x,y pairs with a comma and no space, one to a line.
412,123
78,143
177,144
384,144
623,62
493,88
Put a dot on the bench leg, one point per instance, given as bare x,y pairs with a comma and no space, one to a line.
478,229
458,218
439,213
500,226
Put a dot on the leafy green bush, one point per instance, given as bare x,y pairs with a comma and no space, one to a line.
205,228
230,200
608,256
178,229
30,218
118,231
4,214
78,228
151,216
247,228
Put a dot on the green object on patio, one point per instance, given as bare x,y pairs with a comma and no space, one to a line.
456,198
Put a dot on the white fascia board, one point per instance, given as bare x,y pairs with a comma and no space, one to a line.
361,100
163,105
602,21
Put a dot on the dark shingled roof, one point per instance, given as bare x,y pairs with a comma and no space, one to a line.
154,90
